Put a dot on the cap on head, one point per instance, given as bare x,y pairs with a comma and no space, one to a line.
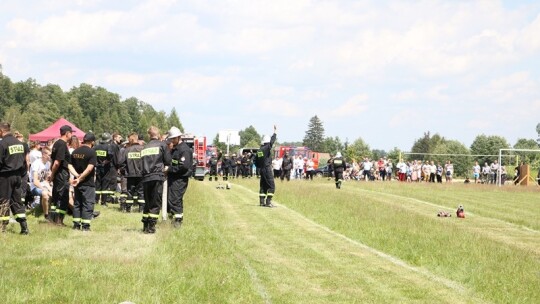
89,137
65,128
265,139
105,137
173,133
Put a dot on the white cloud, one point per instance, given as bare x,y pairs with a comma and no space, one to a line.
124,79
193,82
406,95
355,106
276,107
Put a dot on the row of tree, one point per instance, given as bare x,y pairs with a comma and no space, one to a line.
31,107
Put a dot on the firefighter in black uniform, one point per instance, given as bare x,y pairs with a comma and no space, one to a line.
263,161
12,168
84,161
178,175
60,167
286,167
133,172
339,166
244,164
156,158
213,164
107,161
226,165
234,166
330,166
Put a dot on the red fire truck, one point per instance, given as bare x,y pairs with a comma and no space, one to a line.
305,152
198,144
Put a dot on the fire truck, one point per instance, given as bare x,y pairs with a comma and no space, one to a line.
305,152
198,145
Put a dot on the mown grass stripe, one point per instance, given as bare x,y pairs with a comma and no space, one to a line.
446,282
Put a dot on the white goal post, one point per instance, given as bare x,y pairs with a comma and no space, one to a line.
500,158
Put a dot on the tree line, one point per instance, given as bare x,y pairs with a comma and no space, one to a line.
30,107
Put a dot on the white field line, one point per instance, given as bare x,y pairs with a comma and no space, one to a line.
446,282
255,279
259,286
443,207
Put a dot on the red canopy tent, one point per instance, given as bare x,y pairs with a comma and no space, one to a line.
53,131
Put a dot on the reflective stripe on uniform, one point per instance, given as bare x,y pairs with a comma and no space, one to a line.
20,215
76,220
154,215
86,221
129,201
145,215
4,218
61,211
270,194
181,215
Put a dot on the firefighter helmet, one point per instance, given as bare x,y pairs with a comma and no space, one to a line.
105,137
265,139
338,154
174,132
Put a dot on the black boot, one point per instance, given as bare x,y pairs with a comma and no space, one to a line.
85,227
141,207
177,222
269,202
60,219
261,200
210,179
24,226
152,225
128,208
123,207
145,224
76,226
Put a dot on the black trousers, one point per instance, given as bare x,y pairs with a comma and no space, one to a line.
105,183
10,197
83,207
177,187
60,192
135,193
267,185
153,191
338,176
286,174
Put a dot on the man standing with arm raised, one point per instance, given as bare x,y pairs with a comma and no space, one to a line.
264,162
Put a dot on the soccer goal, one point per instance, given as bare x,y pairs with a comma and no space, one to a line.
525,175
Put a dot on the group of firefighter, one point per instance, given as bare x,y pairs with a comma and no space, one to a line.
231,166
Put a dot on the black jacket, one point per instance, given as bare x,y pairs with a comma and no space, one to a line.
182,161
264,155
12,156
155,156
133,160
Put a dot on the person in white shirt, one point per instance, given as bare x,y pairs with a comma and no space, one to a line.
310,169
449,169
35,152
367,168
276,166
39,175
298,167
494,171
476,172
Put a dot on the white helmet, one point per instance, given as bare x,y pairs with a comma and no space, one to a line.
338,154
174,132
265,139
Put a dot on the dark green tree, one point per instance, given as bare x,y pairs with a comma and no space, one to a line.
173,120
462,164
249,137
314,138
488,145
530,158
425,144
357,151
7,98
332,145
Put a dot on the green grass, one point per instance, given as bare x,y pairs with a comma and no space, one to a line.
366,243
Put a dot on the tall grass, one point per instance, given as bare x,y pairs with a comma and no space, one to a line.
365,243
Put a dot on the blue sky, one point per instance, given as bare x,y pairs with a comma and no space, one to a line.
385,71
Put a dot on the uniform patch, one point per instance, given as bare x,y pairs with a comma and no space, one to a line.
134,155
16,149
150,151
101,153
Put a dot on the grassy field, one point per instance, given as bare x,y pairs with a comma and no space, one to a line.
366,243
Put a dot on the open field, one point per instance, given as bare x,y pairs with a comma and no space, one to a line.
366,243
